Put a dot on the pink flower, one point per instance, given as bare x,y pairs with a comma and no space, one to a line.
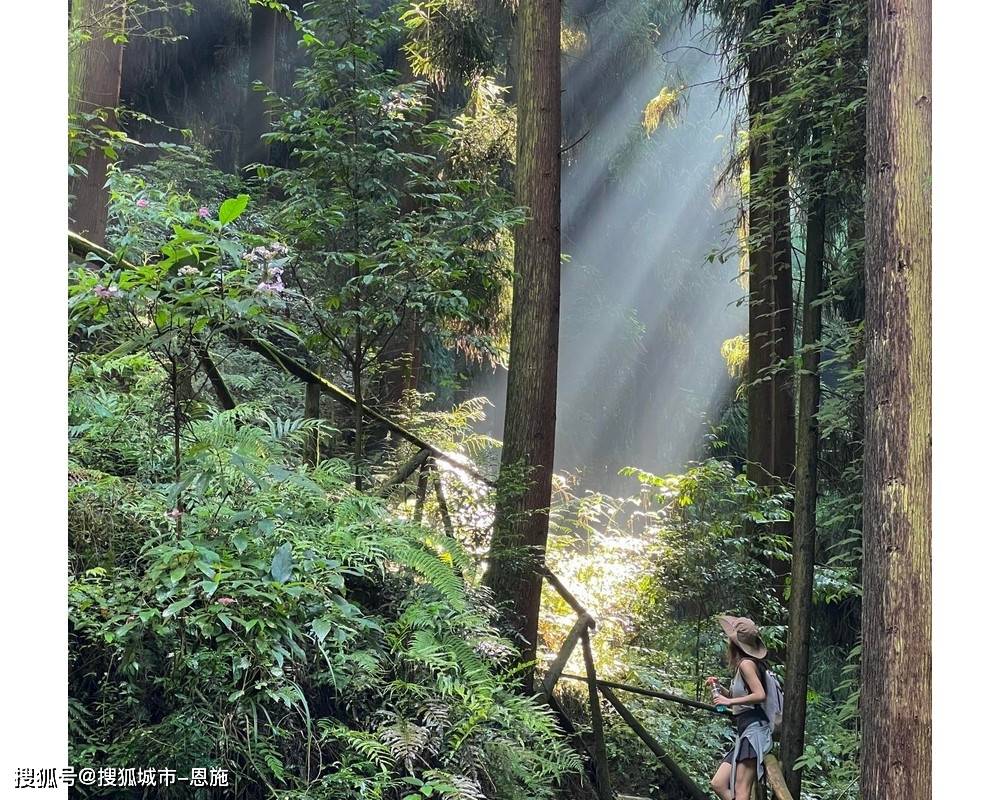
142,202
203,212
174,513
271,288
107,292
225,601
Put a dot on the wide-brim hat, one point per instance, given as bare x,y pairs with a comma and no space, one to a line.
744,634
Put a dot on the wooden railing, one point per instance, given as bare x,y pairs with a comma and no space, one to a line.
424,463
580,634
596,688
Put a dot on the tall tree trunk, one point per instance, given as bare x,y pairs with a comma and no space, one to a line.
357,379
95,79
518,546
263,37
761,309
783,335
806,481
771,393
896,574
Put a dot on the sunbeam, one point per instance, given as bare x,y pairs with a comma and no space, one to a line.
643,314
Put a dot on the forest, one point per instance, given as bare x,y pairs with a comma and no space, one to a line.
451,382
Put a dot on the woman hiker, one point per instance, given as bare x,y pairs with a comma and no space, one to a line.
745,697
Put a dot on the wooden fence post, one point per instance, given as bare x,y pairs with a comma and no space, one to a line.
311,454
775,778
449,528
418,509
596,721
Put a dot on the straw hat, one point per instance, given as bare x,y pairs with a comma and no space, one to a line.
744,634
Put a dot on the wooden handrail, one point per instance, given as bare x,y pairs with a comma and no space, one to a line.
566,595
405,471
556,667
776,778
647,738
673,698
303,373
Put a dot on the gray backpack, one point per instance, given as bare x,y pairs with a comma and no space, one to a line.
774,703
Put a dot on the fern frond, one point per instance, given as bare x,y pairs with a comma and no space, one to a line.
405,741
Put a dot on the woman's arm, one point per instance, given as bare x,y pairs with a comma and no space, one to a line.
752,680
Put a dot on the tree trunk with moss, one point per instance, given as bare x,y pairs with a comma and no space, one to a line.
896,591
517,550
95,77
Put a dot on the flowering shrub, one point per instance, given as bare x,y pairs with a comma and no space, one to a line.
247,612
281,626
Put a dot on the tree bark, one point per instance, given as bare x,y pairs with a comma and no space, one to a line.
771,383
806,482
761,310
95,78
517,551
783,336
896,574
263,36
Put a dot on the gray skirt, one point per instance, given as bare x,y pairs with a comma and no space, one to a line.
753,741
747,750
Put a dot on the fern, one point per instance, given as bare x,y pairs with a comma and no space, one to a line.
430,566
360,666
406,740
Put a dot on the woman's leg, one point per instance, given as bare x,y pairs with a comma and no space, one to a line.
746,774
720,783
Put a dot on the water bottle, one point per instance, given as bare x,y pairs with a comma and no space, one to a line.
716,693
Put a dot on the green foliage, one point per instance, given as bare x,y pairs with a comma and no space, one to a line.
231,607
714,536
656,565
200,285
387,232
450,40
120,21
